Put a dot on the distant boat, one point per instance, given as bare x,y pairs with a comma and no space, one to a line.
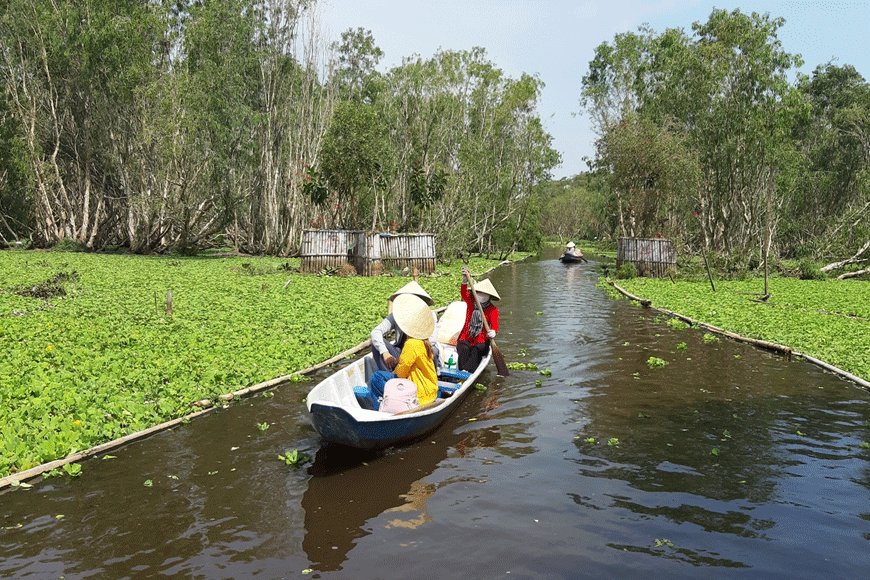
342,407
571,258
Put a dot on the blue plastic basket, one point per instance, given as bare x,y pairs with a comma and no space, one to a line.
366,398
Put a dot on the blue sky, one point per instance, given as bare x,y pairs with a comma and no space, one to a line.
555,40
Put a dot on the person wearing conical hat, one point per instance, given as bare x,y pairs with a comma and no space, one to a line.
416,360
473,343
572,250
386,353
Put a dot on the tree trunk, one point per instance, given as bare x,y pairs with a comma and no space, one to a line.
853,274
853,260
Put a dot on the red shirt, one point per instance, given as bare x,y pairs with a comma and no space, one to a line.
490,313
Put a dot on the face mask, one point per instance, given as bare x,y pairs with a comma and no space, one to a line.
483,297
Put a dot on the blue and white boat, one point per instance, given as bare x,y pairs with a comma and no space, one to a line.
342,407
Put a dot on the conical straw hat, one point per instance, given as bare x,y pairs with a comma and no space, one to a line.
486,286
413,316
413,288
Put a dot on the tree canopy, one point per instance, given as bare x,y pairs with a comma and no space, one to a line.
705,139
180,125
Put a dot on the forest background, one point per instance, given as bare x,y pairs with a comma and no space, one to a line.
179,125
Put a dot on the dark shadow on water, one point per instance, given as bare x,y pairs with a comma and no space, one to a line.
351,487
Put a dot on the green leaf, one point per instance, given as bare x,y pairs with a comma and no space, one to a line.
656,363
293,458
73,469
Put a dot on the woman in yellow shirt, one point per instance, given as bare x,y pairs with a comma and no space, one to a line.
416,361
416,364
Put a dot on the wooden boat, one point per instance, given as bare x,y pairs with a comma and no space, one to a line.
338,408
571,258
342,408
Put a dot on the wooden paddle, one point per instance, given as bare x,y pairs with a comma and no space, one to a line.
496,353
429,405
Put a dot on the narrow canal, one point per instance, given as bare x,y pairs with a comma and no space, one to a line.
728,462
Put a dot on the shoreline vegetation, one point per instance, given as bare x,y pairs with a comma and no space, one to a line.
824,320
103,349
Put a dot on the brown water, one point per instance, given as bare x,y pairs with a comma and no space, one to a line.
510,486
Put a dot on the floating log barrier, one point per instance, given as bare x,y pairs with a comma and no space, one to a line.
646,303
835,370
207,406
786,351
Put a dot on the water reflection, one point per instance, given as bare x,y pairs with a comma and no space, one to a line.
350,488
725,439
200,498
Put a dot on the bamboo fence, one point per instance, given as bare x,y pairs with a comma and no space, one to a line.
652,257
370,254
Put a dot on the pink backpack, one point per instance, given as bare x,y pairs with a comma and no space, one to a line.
399,395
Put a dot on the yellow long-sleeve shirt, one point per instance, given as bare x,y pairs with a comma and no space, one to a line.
415,364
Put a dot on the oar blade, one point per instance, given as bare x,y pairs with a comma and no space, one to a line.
499,361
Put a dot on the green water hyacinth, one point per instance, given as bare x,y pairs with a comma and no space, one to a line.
98,355
294,458
656,363
826,319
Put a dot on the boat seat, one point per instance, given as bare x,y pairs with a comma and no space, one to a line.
452,376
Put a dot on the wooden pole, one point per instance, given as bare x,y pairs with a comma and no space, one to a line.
709,273
169,303
767,232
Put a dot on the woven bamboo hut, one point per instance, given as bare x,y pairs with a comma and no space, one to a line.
326,249
385,252
371,254
652,257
